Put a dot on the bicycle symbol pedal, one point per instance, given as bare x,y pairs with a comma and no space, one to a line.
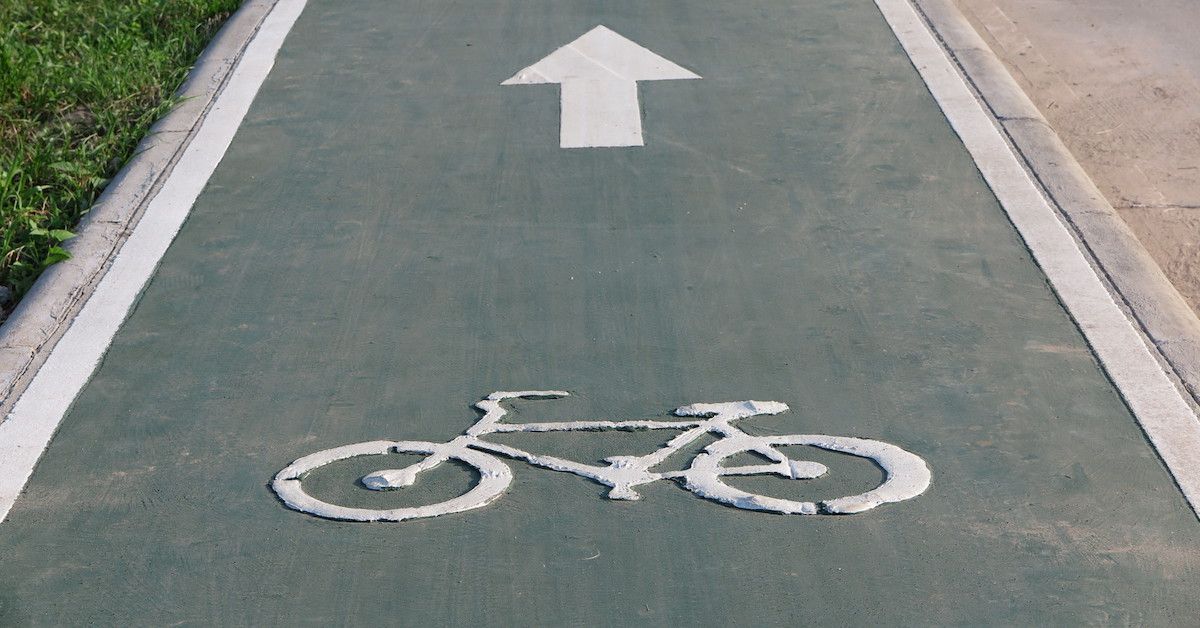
906,474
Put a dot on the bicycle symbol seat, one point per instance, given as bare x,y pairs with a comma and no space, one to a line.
906,474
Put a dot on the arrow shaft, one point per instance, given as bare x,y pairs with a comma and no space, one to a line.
600,113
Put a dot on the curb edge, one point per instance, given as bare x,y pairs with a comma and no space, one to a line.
43,315
1168,325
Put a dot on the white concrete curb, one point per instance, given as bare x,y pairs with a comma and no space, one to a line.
1137,284
1162,407
31,332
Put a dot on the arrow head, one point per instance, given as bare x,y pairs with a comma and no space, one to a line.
600,55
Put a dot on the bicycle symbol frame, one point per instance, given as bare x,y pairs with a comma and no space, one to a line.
907,475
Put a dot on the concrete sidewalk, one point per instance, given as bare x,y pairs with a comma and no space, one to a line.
1120,83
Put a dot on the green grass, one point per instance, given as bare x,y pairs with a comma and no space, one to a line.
81,81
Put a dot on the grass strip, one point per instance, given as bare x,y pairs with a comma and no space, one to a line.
81,81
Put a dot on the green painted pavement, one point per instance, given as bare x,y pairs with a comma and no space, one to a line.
393,235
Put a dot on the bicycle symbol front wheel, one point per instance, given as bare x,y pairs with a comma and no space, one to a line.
494,477
907,474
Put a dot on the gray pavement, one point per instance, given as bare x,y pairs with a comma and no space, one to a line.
393,235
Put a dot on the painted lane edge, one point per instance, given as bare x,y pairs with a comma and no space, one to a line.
1156,403
36,415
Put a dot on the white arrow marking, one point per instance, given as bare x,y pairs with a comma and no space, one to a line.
599,74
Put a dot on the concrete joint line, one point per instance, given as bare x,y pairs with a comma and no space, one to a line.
1006,119
1142,333
30,334
1157,206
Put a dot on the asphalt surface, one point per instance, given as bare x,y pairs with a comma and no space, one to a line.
393,235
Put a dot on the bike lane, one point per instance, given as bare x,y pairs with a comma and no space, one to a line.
393,235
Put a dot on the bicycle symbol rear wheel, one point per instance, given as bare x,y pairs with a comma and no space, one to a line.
907,474
494,477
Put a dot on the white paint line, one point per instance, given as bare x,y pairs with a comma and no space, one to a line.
1157,404
599,72
27,431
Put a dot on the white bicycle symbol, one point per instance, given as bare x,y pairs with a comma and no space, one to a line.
906,473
